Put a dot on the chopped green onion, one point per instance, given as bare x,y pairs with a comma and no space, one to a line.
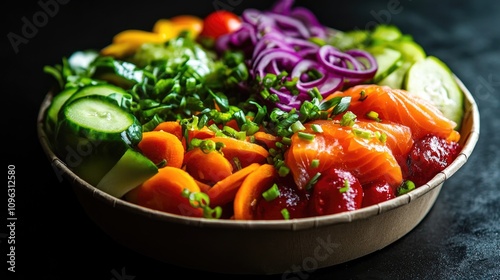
283,171
285,213
362,133
202,200
406,187
373,116
314,93
313,181
269,80
271,193
382,137
348,119
363,95
279,145
207,146
306,136
317,128
315,163
346,186
286,141
297,126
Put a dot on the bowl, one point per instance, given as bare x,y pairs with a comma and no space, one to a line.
262,247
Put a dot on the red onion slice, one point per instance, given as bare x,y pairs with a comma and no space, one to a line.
325,59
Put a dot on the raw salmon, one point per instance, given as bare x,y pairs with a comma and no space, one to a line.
400,106
368,158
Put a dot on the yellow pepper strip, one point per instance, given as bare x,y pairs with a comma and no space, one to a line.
138,37
190,23
127,42
164,27
118,50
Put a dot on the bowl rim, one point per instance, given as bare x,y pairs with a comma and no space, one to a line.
468,141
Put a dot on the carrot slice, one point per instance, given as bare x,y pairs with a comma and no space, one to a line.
246,152
203,187
160,145
202,133
251,189
207,167
269,140
163,192
225,190
173,127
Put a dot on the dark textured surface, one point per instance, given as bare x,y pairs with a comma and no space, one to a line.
459,238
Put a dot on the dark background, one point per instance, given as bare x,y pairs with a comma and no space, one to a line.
458,239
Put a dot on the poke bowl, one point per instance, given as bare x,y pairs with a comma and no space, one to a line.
251,246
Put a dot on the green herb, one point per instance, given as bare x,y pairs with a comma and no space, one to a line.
271,193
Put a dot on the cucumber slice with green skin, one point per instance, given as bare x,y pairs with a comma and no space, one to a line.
410,50
388,60
384,33
121,96
93,133
130,171
99,118
432,79
397,77
53,110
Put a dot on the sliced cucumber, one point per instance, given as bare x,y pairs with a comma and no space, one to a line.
388,60
397,77
410,50
432,79
98,117
93,133
130,171
385,32
121,96
53,110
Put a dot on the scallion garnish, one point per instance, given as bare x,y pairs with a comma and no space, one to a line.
317,128
306,136
271,193
313,181
315,163
372,115
202,200
406,187
297,126
285,214
348,119
346,186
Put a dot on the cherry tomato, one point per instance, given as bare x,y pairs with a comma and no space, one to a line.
336,191
289,198
219,23
377,192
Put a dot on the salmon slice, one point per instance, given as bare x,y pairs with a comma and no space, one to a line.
400,106
368,158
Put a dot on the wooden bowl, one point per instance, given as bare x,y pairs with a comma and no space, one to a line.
262,247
